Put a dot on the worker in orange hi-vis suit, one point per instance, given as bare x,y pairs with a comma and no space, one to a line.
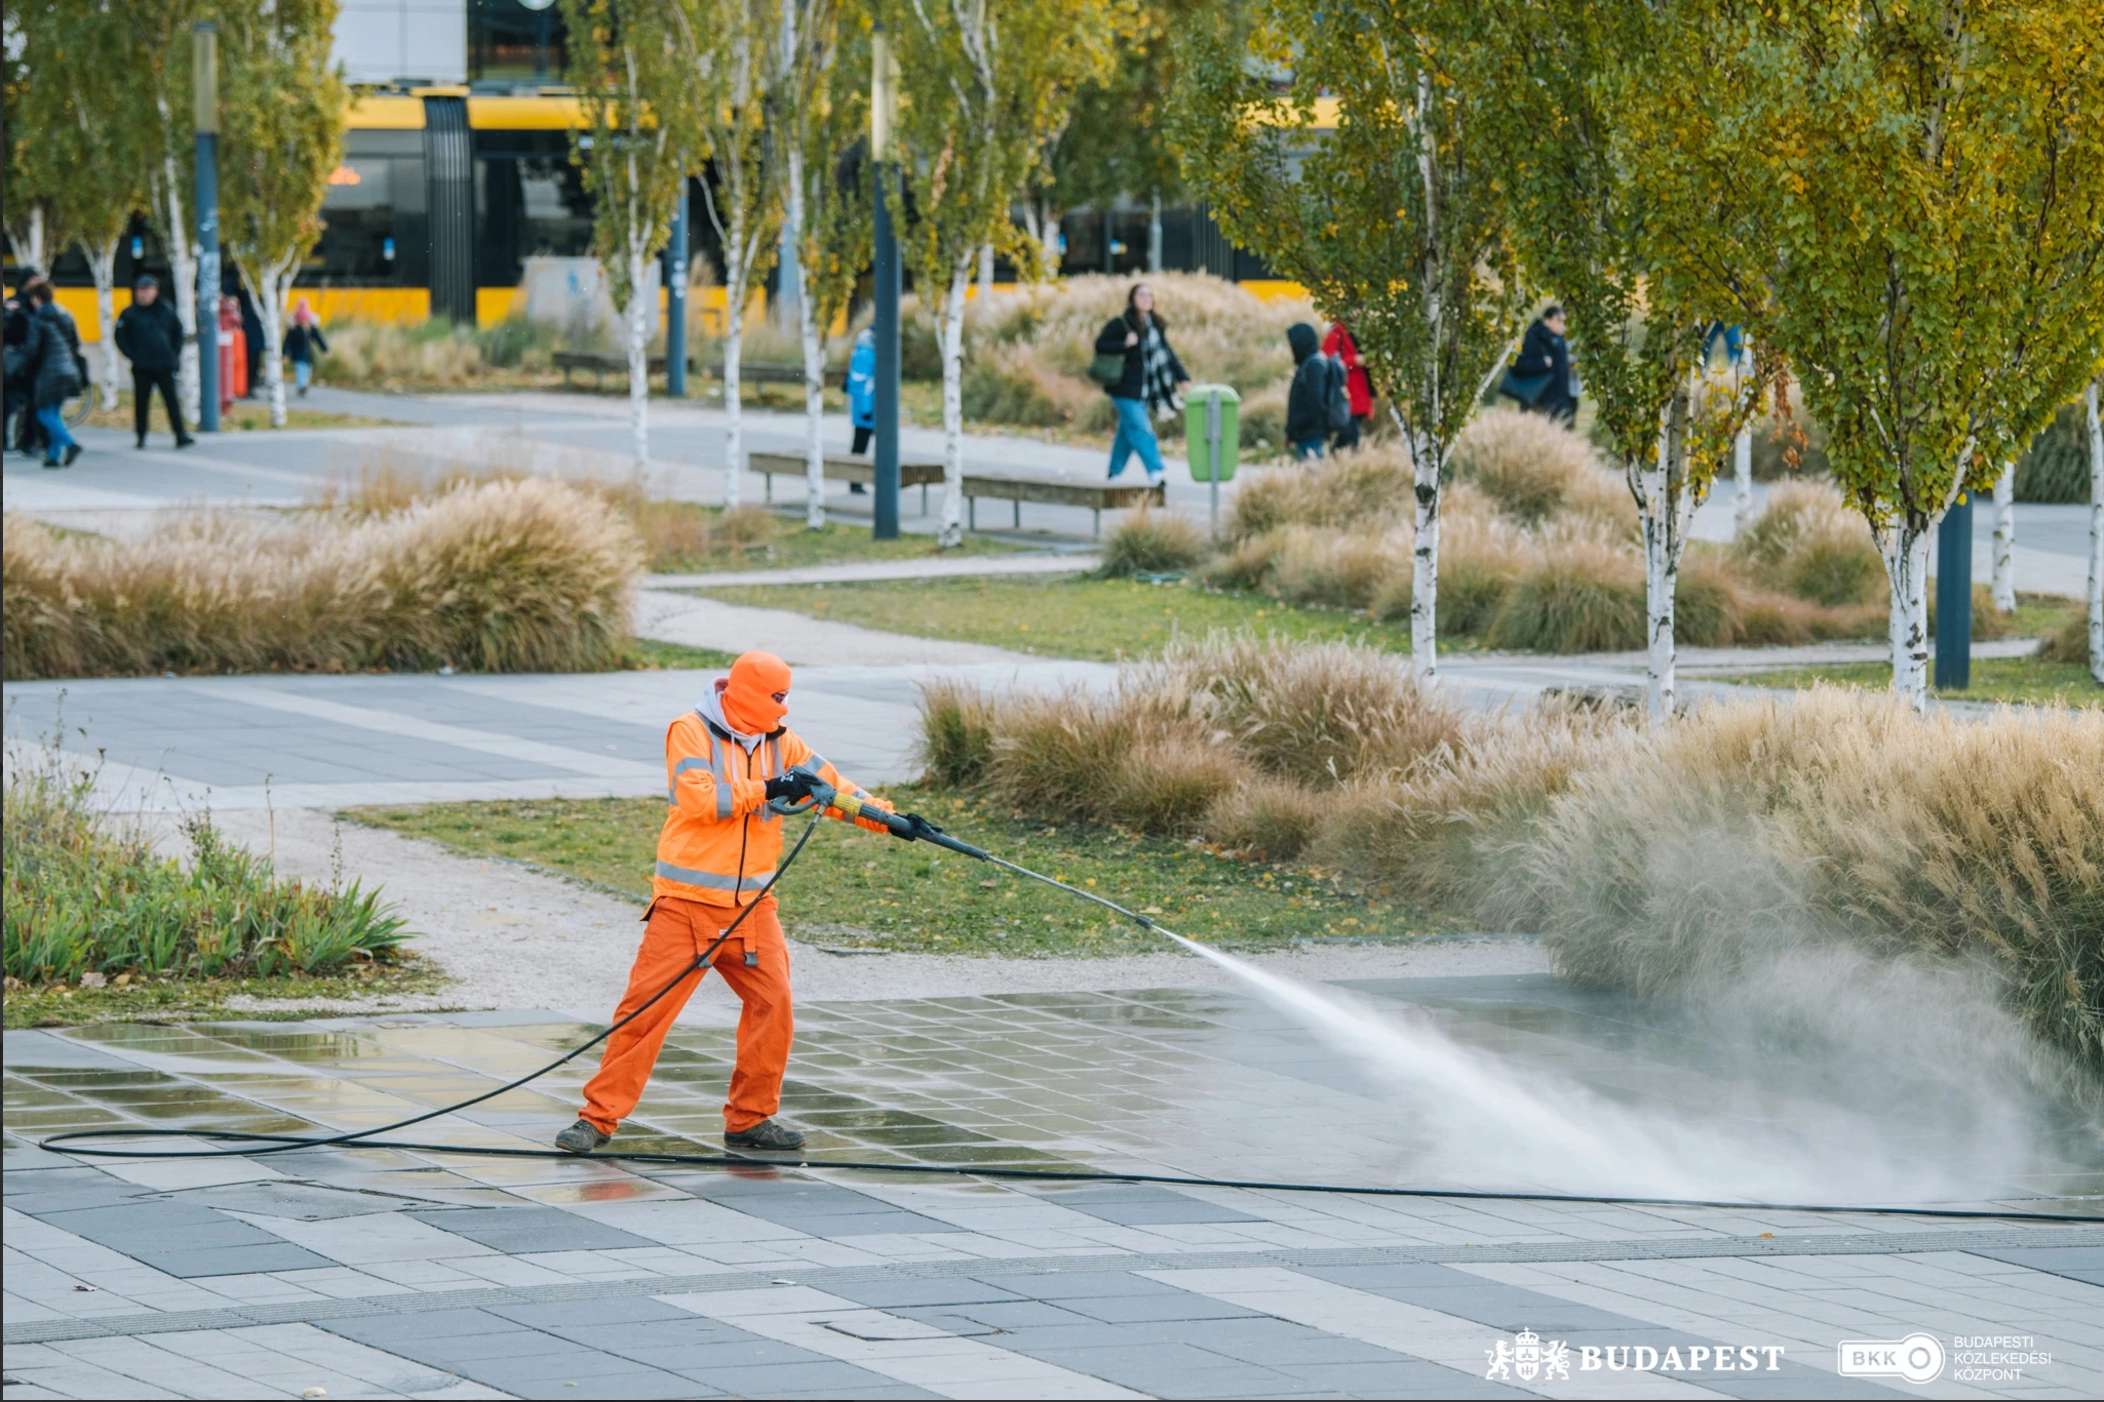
727,762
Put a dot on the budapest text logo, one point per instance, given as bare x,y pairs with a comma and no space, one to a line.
1528,1357
1918,1358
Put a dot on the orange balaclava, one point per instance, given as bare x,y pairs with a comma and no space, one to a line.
748,699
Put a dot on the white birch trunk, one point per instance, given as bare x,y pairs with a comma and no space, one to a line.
814,406
1742,478
28,239
986,273
642,317
1906,552
182,267
953,409
1424,558
2096,539
2005,540
269,288
103,263
1661,577
733,347
810,338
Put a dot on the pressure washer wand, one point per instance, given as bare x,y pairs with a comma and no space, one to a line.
913,828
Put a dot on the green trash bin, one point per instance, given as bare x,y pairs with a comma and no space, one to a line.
1213,437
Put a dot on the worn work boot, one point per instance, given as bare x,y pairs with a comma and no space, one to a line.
767,1134
581,1138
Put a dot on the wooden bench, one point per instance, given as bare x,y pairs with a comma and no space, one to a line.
604,363
773,372
1098,497
840,467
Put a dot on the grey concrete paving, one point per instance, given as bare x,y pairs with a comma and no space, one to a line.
374,1272
328,742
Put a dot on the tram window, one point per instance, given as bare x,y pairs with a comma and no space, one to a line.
373,230
527,205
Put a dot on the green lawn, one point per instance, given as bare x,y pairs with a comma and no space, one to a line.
856,889
650,655
2023,680
685,536
245,415
1062,615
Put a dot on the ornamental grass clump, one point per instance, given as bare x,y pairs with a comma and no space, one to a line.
1151,541
1662,858
508,575
85,894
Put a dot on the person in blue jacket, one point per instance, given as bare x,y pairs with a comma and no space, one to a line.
862,393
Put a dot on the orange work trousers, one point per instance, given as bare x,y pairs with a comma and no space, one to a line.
754,962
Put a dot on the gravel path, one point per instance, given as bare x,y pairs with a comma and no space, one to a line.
797,639
512,937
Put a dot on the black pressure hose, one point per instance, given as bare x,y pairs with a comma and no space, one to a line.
912,828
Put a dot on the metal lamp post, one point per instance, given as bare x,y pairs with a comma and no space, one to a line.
204,61
1954,539
883,110
676,299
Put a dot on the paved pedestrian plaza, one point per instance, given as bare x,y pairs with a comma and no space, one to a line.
369,1272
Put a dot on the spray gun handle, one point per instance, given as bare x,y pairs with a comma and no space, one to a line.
817,794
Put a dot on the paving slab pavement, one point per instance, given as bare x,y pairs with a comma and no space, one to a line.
374,1272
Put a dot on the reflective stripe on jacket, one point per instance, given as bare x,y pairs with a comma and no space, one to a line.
720,842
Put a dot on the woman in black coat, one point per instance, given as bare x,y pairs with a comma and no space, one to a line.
1152,380
56,373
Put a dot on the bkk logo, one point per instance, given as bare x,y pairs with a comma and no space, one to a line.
1918,1358
1527,1357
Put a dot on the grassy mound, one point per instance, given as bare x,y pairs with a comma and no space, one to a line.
526,575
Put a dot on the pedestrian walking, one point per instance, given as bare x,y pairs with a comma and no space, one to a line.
862,394
17,419
302,339
1358,385
1316,406
151,337
57,371
1143,377
1540,375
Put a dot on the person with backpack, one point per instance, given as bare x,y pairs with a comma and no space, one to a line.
1143,377
57,372
1316,407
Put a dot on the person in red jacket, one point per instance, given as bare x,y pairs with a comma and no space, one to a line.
1358,386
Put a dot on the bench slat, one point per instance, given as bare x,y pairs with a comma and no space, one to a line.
842,468
1101,496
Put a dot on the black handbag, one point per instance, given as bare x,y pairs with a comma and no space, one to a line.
1107,368
1527,389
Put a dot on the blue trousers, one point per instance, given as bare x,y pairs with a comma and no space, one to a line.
1135,435
1308,448
56,438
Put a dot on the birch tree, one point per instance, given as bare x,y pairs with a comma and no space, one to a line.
1558,78
2004,569
84,161
629,64
1391,220
1923,187
823,100
732,47
2096,534
282,108
32,167
157,76
983,83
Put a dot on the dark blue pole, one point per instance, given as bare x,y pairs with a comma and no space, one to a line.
887,398
676,300
204,56
1954,542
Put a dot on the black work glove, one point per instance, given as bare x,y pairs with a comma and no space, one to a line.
921,826
794,787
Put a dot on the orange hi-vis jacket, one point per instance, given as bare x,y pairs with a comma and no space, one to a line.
721,841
